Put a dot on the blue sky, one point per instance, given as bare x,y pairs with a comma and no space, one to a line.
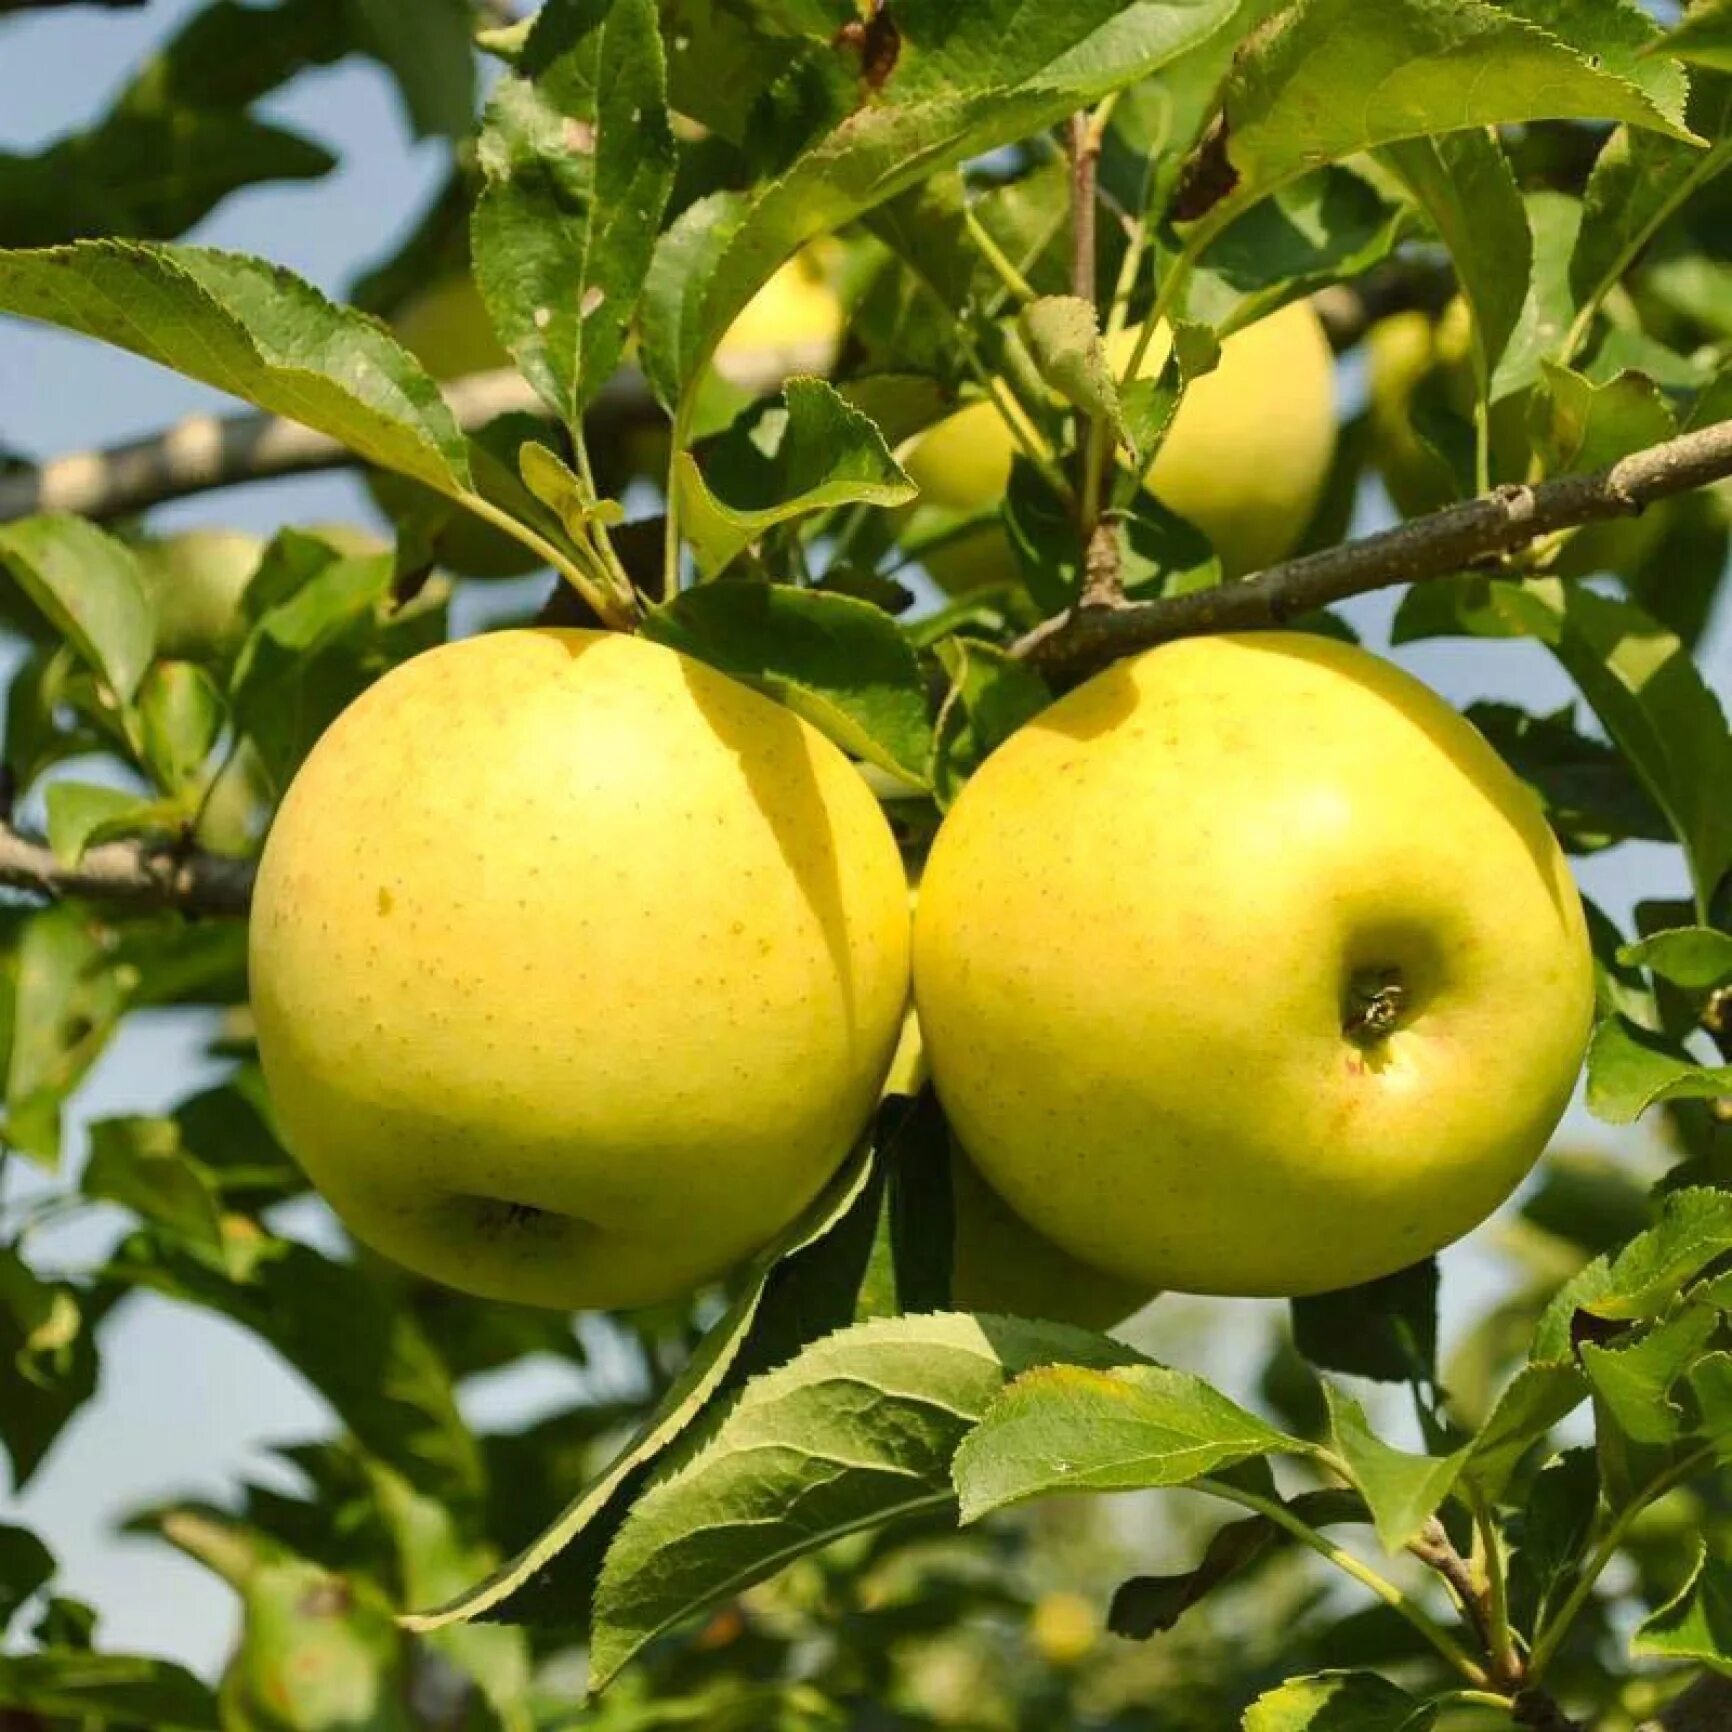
187,1401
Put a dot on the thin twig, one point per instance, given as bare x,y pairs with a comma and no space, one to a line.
1457,539
1434,1548
132,875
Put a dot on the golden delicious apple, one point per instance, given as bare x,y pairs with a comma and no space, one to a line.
1000,1264
1245,460
1249,968
576,966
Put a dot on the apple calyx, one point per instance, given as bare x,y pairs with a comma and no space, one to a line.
1375,999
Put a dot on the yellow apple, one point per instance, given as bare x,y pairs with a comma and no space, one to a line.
1245,460
798,309
1000,1264
1063,1628
196,580
1249,968
576,966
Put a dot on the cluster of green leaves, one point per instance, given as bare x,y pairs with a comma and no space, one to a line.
786,1471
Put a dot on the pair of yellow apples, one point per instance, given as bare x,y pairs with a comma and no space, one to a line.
1247,967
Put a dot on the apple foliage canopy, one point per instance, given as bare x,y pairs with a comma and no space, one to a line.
855,348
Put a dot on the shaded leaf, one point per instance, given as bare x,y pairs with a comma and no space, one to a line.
1146,1605
25,1565
992,694
1386,1329
47,1363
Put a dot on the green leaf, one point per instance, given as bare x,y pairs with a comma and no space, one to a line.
318,1651
1063,337
1144,1606
1618,36
79,1686
1073,1427
1710,1384
858,1431
257,331
1581,426
47,1363
142,1164
1640,180
1653,703
1464,182
1694,1229
840,663
817,452
1696,1623
1336,77
579,161
1631,1070
1338,1702
310,655
1540,1395
965,83
1633,1380
427,50
25,1565
1385,1329
68,997
89,587
1704,37
992,694
1696,957
1403,1491
181,712
796,1288
82,814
